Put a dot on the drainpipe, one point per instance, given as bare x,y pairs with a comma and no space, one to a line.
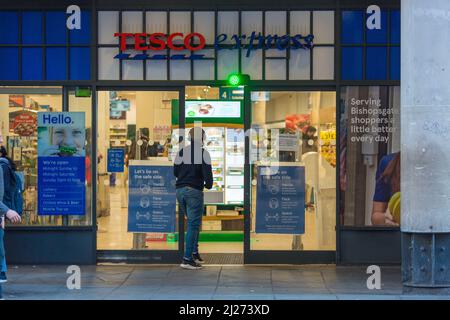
425,145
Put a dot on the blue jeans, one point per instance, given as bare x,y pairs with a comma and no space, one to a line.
190,202
2,252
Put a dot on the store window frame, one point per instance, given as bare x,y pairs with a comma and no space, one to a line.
65,90
359,237
141,255
279,256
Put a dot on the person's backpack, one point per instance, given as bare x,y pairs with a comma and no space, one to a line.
14,187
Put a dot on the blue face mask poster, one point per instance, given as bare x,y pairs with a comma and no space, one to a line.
280,200
116,160
61,163
151,199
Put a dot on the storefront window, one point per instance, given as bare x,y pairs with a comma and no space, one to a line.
19,108
135,132
293,168
84,105
370,156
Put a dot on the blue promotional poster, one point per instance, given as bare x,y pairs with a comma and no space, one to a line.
116,159
280,206
61,163
151,199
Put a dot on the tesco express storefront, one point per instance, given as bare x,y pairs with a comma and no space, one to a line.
316,92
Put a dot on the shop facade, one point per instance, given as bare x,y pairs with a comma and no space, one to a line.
322,101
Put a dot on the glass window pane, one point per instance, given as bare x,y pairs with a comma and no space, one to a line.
180,22
143,130
323,26
32,27
395,63
378,36
395,26
83,35
80,63
204,24
108,24
251,21
228,23
227,62
376,67
295,134
157,69
204,70
323,59
275,69
9,26
84,104
132,69
275,22
275,53
299,65
132,21
156,21
352,63
9,64
300,22
180,69
108,68
369,141
352,27
32,64
55,27
252,65
21,142
55,65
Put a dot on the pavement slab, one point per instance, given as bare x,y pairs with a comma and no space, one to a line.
238,282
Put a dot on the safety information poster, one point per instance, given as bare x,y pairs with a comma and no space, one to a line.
151,199
61,163
116,160
280,200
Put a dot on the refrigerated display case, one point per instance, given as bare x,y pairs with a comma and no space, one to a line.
226,147
234,160
225,141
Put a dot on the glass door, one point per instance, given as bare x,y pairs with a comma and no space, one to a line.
138,132
291,176
222,231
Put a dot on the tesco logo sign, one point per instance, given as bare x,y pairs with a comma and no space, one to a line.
194,41
161,41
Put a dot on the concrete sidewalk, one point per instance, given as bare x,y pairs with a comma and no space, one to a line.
213,282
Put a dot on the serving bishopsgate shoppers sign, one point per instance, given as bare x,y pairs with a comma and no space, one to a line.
194,42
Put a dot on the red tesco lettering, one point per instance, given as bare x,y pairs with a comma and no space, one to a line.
159,41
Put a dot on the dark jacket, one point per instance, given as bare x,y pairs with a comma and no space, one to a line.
7,185
192,168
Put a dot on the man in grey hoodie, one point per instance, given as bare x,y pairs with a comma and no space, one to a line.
12,215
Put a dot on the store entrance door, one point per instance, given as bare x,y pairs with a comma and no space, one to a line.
291,177
221,239
138,134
